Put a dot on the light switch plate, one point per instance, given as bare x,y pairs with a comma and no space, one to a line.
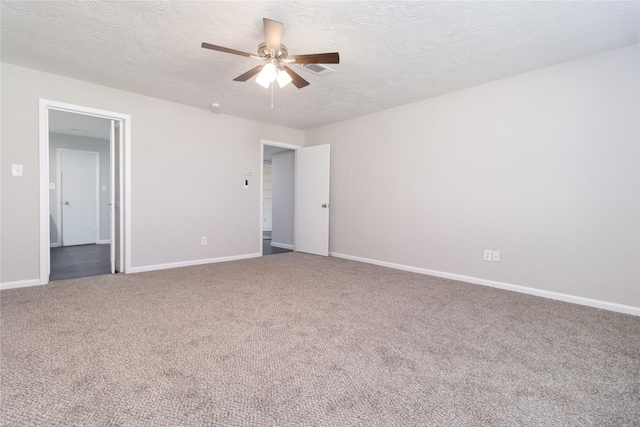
16,170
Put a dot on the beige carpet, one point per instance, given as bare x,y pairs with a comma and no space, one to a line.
296,339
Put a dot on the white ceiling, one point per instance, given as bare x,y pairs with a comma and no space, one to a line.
79,125
391,52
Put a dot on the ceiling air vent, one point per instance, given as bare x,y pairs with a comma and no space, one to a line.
317,69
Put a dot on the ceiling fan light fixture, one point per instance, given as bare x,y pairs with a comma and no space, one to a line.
283,78
267,75
276,57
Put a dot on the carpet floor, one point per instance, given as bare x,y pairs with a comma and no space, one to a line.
296,339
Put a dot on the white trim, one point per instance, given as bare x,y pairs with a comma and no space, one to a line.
55,245
43,131
605,305
278,144
264,142
20,284
104,241
125,184
191,263
281,245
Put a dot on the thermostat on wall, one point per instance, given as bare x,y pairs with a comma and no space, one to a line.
248,171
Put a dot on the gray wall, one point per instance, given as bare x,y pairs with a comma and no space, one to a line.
187,167
543,167
79,143
283,179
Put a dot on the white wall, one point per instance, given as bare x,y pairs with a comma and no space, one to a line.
543,167
101,146
283,179
187,173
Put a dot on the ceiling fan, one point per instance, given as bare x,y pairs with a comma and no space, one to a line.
275,57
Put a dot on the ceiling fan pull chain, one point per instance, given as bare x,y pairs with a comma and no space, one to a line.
272,95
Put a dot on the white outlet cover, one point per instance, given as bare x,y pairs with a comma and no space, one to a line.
496,255
16,170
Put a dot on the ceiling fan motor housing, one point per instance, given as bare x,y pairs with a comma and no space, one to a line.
265,52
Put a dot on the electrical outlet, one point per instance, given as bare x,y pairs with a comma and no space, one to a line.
496,256
204,240
487,254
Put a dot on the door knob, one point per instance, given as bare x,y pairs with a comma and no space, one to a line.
325,205
66,203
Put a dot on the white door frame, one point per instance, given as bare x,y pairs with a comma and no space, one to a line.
125,199
264,142
59,191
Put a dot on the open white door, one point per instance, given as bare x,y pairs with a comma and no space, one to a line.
112,200
115,196
112,196
312,200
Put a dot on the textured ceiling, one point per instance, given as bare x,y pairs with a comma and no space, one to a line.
391,52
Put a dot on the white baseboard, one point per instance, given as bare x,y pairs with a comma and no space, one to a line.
611,306
99,242
19,284
193,262
281,245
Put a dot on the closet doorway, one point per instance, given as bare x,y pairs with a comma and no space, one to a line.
278,189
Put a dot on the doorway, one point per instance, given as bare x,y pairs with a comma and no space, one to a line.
278,187
80,170
310,197
84,182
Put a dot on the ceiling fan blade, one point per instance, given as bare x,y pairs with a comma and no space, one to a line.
297,81
272,33
314,58
246,76
226,50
